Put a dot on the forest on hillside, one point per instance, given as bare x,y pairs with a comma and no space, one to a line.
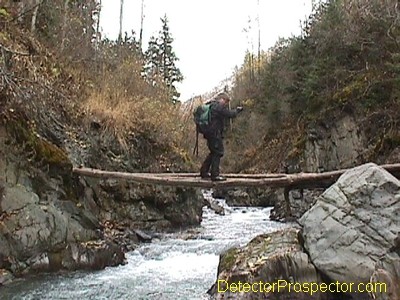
346,61
56,65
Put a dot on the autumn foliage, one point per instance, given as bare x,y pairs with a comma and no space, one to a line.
346,61
64,71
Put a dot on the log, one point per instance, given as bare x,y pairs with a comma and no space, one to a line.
267,175
292,181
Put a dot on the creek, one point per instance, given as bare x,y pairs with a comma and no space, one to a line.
179,265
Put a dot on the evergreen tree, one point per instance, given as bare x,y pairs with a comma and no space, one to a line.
161,61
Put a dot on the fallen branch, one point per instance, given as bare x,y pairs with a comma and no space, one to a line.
13,52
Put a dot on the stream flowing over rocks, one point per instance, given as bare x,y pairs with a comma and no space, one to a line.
179,265
52,219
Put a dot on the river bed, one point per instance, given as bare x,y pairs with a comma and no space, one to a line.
180,265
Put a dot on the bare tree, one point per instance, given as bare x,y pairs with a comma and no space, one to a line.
35,7
64,25
121,13
141,26
250,61
259,38
98,35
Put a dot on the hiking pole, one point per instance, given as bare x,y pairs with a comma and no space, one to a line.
196,146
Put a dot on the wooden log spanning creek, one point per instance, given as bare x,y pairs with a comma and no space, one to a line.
278,180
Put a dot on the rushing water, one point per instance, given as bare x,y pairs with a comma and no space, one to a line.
178,266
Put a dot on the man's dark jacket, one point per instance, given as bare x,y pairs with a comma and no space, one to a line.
219,113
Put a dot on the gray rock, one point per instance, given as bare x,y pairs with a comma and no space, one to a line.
33,235
144,237
353,224
295,205
262,197
17,198
238,198
269,258
29,226
93,255
5,277
334,146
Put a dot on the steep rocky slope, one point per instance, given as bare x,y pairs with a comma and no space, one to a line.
51,219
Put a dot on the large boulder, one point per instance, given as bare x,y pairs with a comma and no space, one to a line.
147,207
36,235
270,260
353,224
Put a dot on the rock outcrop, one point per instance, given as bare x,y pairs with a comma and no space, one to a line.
350,235
251,271
339,143
291,205
352,231
36,235
51,219
334,146
354,223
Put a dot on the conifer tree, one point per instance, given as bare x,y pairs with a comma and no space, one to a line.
161,61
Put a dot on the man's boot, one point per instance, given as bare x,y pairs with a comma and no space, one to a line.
218,178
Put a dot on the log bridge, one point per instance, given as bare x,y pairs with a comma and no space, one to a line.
277,180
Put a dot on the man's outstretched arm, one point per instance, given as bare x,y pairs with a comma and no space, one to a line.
228,113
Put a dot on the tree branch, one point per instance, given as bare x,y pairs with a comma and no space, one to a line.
26,11
13,52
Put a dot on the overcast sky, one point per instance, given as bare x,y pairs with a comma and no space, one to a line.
209,36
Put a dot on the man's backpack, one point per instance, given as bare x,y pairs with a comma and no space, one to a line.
202,119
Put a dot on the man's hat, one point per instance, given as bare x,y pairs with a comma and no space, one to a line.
224,96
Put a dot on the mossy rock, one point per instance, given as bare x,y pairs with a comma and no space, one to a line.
51,154
227,260
44,151
4,12
392,140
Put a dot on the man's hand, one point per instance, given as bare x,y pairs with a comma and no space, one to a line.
239,109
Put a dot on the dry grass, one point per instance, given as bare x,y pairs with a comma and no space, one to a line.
127,105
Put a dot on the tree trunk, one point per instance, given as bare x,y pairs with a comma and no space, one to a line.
64,25
98,37
36,5
141,26
292,181
259,39
20,11
121,14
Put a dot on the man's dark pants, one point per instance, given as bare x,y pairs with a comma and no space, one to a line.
212,161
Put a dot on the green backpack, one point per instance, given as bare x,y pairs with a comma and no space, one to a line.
202,119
